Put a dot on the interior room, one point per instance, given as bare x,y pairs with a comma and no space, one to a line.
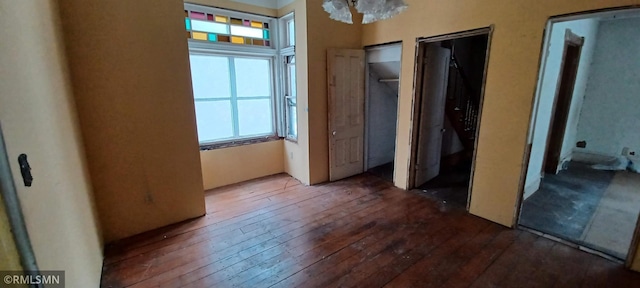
582,183
222,143
450,135
381,108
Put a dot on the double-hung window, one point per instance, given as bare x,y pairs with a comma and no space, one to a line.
233,96
288,55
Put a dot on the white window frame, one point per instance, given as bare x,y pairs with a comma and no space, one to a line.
285,52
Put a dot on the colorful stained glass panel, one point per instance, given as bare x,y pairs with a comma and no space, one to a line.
266,34
236,21
199,36
246,31
213,37
210,27
198,15
187,23
237,40
256,24
223,19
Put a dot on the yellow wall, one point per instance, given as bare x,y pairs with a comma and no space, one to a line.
226,166
296,154
130,72
38,118
9,258
323,33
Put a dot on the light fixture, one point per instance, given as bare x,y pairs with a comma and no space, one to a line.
373,10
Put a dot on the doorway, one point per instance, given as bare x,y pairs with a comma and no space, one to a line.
581,184
450,77
381,108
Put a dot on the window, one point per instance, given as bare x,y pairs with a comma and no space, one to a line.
233,97
289,74
236,71
206,24
291,112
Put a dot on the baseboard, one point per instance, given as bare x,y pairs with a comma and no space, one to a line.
531,188
591,157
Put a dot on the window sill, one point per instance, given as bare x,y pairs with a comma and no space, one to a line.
235,143
292,140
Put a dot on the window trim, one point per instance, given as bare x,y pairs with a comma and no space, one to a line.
286,51
273,28
277,52
285,95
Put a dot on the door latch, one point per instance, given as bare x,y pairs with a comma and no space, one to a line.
25,170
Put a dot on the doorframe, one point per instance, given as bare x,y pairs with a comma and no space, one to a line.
417,99
570,39
367,101
14,212
546,37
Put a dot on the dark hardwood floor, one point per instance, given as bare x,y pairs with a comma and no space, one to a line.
359,232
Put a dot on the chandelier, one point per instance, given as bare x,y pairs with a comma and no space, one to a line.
373,10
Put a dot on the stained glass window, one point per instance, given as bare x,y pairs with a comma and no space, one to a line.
212,27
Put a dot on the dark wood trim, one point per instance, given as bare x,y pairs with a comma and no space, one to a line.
523,179
416,107
561,108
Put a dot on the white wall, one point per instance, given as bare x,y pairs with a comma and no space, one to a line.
382,113
588,29
610,118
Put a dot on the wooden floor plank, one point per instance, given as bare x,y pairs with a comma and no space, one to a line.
358,232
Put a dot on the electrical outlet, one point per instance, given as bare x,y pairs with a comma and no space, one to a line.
625,151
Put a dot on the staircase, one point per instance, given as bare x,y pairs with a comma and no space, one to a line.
462,105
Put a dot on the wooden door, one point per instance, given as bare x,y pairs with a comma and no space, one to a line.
435,77
562,102
345,72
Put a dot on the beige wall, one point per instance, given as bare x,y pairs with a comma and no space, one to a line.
323,33
296,154
9,258
226,166
130,73
511,81
38,118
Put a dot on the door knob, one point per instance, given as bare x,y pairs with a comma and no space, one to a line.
443,130
334,133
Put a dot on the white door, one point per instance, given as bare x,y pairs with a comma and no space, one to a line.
434,89
345,72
